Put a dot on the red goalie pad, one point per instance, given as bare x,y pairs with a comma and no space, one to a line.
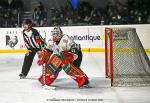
55,61
48,79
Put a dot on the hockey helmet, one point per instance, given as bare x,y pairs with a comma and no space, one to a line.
57,31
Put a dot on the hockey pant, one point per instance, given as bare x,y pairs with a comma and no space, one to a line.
54,66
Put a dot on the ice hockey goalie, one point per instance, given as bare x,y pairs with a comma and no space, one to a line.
54,63
65,54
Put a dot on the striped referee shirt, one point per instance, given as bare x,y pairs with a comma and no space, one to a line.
33,40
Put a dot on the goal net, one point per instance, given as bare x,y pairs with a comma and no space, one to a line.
126,61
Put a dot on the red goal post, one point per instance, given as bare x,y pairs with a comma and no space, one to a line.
109,51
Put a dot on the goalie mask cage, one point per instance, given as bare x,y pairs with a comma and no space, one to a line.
126,61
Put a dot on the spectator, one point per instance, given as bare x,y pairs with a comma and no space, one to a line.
16,4
43,16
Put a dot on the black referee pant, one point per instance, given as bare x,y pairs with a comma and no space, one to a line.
27,62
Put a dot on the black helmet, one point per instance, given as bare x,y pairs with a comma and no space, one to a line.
28,22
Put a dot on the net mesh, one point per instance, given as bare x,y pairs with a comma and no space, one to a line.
131,65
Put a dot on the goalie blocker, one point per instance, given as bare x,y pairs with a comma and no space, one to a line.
53,64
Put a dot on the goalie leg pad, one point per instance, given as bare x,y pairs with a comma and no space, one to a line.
54,64
66,68
49,79
75,73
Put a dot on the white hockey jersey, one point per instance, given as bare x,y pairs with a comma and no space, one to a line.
66,43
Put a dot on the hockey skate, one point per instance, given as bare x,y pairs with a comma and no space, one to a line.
49,87
85,85
22,76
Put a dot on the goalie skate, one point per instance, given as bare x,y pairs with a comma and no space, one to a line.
49,87
85,86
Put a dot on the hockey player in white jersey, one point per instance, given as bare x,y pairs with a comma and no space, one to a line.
62,53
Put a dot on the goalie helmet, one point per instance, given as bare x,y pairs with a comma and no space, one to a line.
57,31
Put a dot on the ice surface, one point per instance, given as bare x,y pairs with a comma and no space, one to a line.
15,90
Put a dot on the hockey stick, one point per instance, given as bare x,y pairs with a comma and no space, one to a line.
45,86
43,74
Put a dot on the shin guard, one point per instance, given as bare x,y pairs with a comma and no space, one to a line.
48,79
50,70
76,73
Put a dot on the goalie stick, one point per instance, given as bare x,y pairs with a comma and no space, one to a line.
44,80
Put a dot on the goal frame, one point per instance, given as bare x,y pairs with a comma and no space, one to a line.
109,51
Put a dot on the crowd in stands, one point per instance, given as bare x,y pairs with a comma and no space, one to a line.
39,16
9,12
115,13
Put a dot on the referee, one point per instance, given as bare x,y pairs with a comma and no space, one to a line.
34,43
